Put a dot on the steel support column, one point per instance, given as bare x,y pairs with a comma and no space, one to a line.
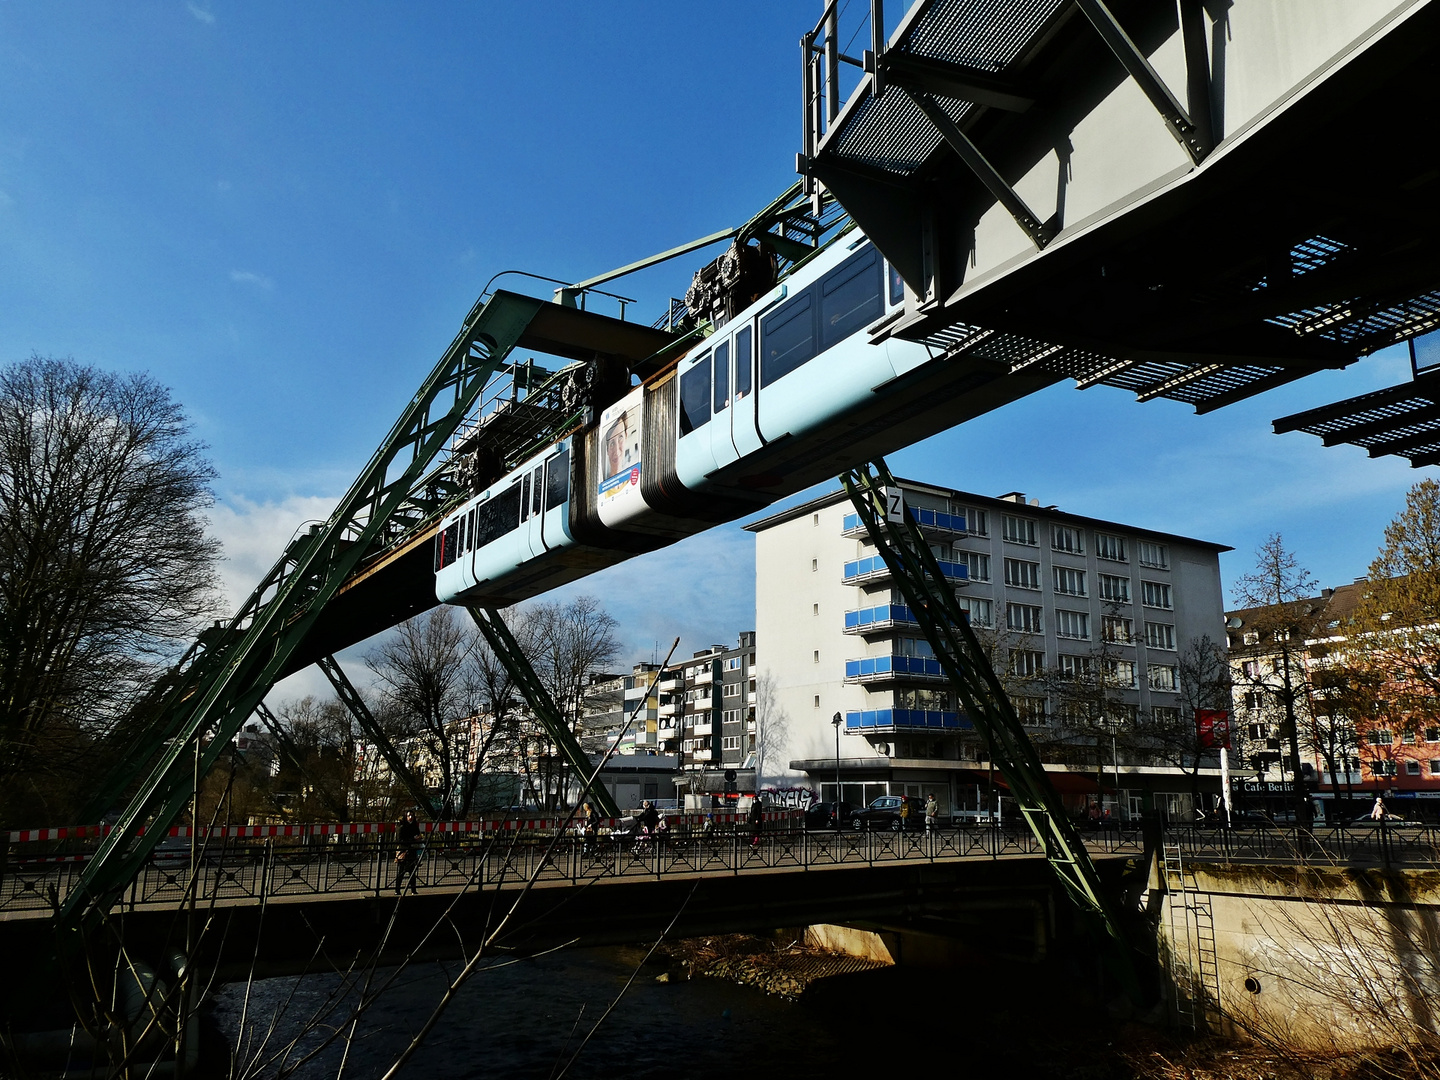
350,697
946,626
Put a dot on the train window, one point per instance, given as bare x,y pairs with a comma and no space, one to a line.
460,543
742,363
497,516
722,376
445,545
539,477
787,338
557,480
850,297
897,285
525,496
695,397
470,517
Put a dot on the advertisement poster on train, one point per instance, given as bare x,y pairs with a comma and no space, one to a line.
618,495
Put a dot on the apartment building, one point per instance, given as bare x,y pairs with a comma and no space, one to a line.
1353,744
849,686
706,717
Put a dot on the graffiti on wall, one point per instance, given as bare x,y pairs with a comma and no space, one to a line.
791,798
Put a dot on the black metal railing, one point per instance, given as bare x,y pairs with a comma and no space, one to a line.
241,871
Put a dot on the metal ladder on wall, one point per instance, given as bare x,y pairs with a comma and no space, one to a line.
1194,964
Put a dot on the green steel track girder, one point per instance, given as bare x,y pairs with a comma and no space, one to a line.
509,653
221,688
964,661
352,700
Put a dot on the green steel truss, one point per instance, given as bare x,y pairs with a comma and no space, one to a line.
224,677
946,627
509,653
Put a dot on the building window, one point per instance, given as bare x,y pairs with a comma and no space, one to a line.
1382,768
1251,637
1159,635
734,689
814,519
1026,663
1020,574
1121,673
730,742
1435,767
1252,700
733,664
1407,738
1065,538
1018,530
909,646
1117,630
977,564
1069,581
1115,588
1154,555
814,609
1031,711
975,520
1162,677
814,565
1024,618
817,656
817,701
1412,767
981,611
1381,737
1155,594
1110,547
1074,667
1432,734
1072,624
1166,716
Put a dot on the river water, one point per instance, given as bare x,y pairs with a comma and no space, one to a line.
528,1018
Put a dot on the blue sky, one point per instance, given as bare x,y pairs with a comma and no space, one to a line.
283,211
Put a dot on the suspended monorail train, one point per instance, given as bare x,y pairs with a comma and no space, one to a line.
798,386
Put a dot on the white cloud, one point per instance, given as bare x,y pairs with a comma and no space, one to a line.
206,17
249,277
255,534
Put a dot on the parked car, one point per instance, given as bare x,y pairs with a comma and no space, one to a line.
822,815
884,813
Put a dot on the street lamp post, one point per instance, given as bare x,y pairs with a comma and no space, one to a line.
837,720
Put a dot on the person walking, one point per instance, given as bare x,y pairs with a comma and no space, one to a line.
932,811
904,813
757,821
407,855
592,828
1377,812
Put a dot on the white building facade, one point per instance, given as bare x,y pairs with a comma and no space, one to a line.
1055,592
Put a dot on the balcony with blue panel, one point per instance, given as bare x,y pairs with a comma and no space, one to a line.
890,721
931,522
873,568
880,618
873,669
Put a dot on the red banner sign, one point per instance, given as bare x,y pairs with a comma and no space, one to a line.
1212,728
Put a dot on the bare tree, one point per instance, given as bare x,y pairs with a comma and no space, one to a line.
427,677
570,642
1280,596
1170,734
105,567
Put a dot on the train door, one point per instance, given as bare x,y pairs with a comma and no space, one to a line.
722,443
744,423
532,519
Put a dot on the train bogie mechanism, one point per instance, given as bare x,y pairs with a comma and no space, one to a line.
725,287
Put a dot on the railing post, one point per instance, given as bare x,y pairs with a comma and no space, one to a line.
832,66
